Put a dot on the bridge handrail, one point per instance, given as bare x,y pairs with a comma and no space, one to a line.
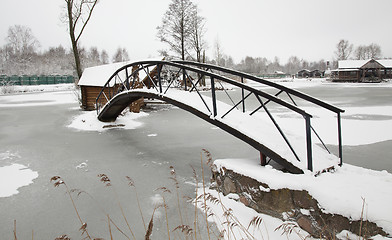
265,82
210,74
203,70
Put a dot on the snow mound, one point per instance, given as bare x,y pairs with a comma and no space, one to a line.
14,177
88,121
341,192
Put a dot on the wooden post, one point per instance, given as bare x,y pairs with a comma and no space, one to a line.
263,159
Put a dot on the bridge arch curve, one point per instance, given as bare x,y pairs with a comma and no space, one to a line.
111,111
125,87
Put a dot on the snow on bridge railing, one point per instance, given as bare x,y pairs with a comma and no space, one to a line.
281,88
187,75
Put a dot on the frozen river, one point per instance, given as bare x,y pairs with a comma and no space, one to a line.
34,133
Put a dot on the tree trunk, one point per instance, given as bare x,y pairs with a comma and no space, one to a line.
73,40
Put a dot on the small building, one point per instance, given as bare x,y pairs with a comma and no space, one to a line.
304,73
92,81
370,70
316,73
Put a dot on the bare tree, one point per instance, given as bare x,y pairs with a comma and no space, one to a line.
197,35
218,52
79,13
120,55
93,57
104,57
21,42
20,50
367,52
293,65
360,52
344,49
177,26
374,51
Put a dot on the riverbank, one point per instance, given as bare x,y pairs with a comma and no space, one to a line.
351,202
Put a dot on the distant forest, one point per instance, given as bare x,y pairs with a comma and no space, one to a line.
21,56
59,60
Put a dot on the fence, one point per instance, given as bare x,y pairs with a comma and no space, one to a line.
35,80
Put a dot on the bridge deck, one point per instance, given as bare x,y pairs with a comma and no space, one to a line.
255,128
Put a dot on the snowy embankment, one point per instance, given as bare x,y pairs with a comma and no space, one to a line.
16,89
342,192
41,95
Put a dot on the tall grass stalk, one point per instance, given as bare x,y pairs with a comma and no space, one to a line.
105,179
57,182
195,221
204,197
79,192
110,228
132,184
360,224
15,238
165,190
174,178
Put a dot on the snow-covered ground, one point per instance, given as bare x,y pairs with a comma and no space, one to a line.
341,192
41,95
87,121
14,176
7,90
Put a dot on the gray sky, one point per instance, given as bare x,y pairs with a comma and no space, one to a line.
309,29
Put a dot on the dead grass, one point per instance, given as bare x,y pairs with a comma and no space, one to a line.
231,227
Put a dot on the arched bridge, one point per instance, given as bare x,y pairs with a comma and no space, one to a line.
211,93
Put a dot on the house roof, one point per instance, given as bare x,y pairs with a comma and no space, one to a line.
97,76
386,62
352,63
356,64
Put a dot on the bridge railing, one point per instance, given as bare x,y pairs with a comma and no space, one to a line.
281,89
161,76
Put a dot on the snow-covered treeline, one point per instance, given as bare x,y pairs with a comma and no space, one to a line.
22,55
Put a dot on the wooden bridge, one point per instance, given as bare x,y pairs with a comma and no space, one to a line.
182,83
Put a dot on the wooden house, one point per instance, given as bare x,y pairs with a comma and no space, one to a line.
304,73
92,82
94,78
370,70
316,73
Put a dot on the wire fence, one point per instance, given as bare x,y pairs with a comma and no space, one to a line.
35,80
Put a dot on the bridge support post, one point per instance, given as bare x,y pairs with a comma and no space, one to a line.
243,95
309,143
127,78
263,159
213,96
340,140
159,67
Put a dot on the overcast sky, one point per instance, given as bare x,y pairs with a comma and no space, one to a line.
309,29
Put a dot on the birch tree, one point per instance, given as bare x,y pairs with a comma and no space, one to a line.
344,49
79,13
